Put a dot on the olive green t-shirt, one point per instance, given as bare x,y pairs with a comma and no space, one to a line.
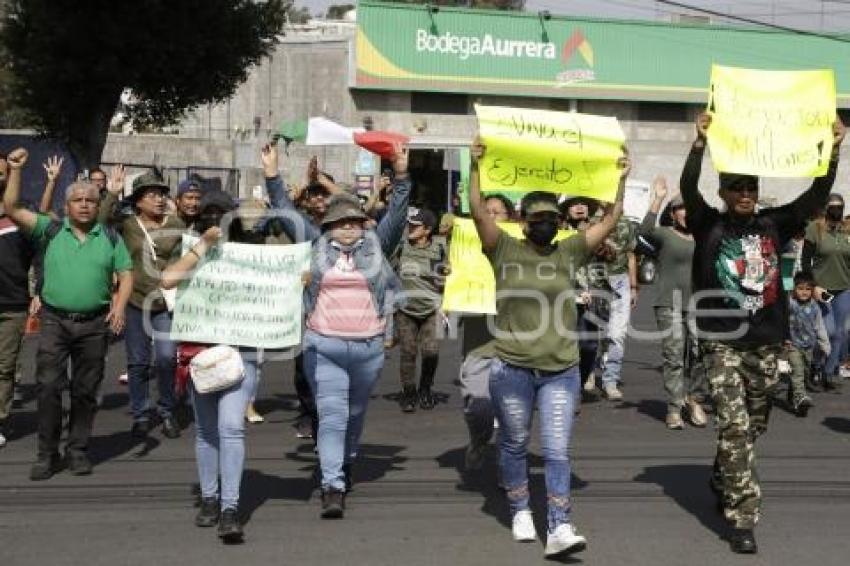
419,271
535,302
831,258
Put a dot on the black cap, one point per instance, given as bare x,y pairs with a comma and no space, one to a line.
218,199
421,217
729,180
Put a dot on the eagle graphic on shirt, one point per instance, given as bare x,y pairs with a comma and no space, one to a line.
748,268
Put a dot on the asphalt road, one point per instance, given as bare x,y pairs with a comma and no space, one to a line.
640,491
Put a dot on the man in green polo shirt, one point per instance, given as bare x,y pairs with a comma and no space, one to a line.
80,260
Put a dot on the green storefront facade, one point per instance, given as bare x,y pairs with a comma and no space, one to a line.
414,48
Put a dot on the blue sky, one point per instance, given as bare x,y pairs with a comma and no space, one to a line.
808,14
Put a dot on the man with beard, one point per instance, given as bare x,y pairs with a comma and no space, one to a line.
153,239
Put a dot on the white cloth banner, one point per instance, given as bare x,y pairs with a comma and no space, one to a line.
321,131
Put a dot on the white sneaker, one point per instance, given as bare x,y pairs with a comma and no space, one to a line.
590,384
564,540
2,440
612,392
523,527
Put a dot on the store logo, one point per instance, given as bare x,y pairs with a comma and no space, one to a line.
465,47
577,43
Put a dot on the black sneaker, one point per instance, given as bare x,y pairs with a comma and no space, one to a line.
408,400
802,404
333,504
140,430
743,541
209,513
170,428
78,463
45,467
426,399
229,527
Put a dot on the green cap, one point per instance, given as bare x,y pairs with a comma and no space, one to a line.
542,206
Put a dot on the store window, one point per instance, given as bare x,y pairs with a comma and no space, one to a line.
439,103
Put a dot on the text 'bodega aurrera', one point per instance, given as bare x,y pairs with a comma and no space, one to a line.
466,46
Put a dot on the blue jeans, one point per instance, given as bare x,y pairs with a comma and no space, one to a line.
342,374
618,323
514,391
220,436
138,344
835,315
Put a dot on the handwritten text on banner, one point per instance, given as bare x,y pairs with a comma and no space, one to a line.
243,295
471,285
771,123
559,152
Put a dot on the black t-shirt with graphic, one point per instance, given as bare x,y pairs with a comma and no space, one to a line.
737,280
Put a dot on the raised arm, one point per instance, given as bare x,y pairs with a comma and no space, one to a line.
612,212
296,224
815,196
24,218
391,227
316,177
488,231
184,267
52,167
114,190
695,205
659,193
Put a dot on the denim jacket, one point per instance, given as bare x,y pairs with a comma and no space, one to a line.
369,255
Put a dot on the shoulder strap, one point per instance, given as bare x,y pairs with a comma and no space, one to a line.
52,230
111,233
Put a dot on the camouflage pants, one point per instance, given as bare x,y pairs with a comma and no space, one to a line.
741,381
684,374
417,336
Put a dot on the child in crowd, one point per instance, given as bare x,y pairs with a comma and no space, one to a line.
808,341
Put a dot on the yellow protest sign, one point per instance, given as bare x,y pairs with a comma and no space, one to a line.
471,284
771,123
559,152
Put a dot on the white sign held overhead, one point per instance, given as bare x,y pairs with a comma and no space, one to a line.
636,200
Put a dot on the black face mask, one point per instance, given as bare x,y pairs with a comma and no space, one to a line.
835,213
542,232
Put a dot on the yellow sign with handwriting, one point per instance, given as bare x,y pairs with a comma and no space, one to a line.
559,152
771,123
471,284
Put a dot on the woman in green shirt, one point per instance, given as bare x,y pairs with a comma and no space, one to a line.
683,377
536,348
826,253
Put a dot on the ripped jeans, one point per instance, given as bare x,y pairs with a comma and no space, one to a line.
514,391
